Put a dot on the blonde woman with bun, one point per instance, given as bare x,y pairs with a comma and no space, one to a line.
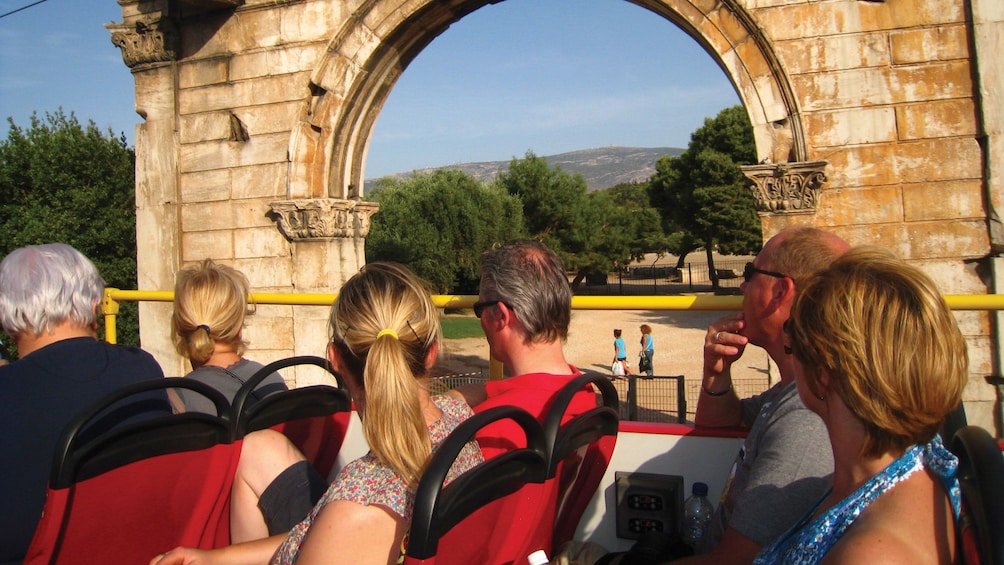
882,362
385,336
210,306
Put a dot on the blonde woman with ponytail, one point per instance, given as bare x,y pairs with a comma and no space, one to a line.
385,336
210,305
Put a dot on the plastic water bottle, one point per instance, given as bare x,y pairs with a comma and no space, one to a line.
538,557
697,513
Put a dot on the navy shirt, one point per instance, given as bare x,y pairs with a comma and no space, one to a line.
41,393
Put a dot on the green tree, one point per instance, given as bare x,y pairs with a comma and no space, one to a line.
703,195
64,182
597,231
438,224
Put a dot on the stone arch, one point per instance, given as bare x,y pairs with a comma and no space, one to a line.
368,54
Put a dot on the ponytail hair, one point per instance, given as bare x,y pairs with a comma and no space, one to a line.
210,304
384,325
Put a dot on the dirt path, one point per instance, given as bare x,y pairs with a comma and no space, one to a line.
678,337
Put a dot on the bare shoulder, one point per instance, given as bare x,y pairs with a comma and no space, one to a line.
348,532
889,530
874,545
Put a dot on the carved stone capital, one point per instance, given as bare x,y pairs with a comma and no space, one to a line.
786,188
146,41
321,219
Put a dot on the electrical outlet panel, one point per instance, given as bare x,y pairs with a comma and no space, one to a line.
648,502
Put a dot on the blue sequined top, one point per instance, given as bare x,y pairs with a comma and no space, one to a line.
808,542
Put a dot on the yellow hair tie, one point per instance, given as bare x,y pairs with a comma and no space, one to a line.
391,333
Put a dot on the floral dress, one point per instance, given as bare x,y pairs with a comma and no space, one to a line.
367,481
807,543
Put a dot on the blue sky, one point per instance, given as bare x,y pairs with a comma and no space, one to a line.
548,76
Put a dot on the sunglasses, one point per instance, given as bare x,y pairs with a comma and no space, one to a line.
479,307
750,270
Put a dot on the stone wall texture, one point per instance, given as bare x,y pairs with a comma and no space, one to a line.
258,114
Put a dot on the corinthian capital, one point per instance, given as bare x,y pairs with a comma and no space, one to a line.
786,188
146,41
323,218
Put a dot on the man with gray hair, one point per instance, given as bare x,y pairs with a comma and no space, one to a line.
785,462
525,307
49,296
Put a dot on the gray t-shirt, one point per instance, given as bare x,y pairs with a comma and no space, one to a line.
783,468
228,381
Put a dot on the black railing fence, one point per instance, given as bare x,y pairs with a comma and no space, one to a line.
665,279
666,398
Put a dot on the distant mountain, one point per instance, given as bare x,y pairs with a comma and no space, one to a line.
602,167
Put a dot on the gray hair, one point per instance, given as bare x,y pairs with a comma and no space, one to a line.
42,286
531,280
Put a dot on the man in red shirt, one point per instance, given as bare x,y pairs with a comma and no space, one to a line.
525,307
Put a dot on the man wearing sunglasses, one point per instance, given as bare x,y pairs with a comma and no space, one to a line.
785,461
525,307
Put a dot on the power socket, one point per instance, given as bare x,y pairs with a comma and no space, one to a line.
648,502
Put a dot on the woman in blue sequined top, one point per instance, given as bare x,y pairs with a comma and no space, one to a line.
882,362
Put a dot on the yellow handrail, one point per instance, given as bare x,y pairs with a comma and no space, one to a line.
113,296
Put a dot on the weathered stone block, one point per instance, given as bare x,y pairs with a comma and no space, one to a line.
262,149
205,156
207,216
957,277
212,97
728,25
206,126
947,200
961,239
274,272
279,117
941,43
860,165
254,29
883,86
259,181
852,126
287,60
202,72
260,242
841,52
268,332
850,206
943,118
205,186
252,213
314,21
266,90
924,240
199,245
914,162
949,158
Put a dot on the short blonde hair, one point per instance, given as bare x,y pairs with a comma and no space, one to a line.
210,304
882,333
384,325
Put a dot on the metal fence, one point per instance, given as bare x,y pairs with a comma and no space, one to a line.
670,398
664,279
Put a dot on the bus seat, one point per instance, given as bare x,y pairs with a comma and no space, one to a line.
315,418
533,511
981,477
453,523
579,454
140,488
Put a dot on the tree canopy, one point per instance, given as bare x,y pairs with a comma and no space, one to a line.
598,231
438,224
64,182
702,193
